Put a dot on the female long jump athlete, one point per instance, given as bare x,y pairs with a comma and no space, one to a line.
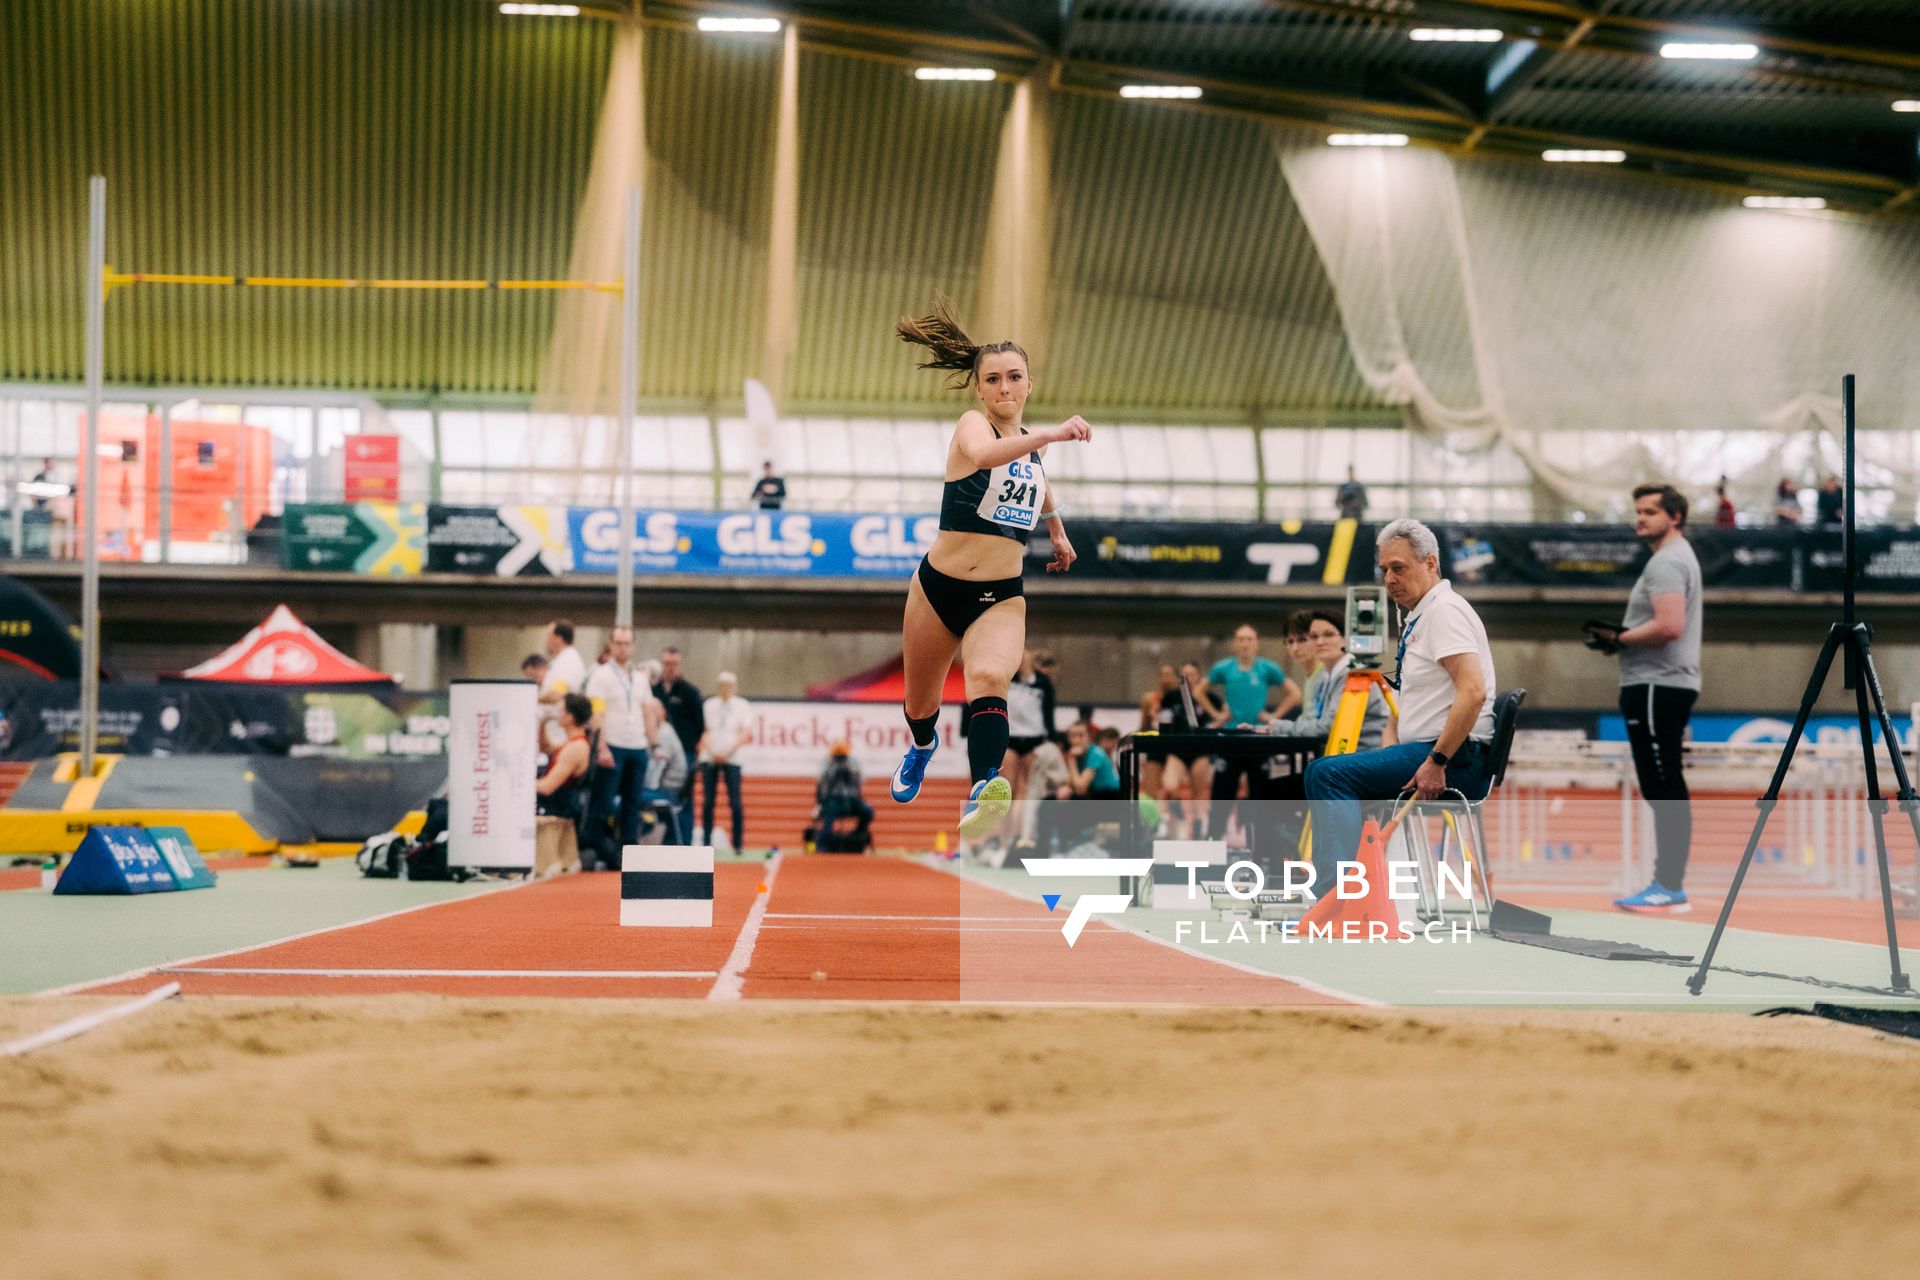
967,595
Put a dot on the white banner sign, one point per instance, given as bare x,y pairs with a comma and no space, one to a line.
793,739
491,770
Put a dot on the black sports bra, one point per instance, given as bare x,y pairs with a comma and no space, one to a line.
1002,502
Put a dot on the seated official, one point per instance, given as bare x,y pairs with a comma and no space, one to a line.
1441,738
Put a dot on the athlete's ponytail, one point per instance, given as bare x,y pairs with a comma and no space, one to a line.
951,348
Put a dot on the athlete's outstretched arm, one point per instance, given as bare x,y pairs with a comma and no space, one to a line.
1063,552
975,441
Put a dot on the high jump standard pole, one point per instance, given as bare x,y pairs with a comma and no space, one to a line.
629,392
90,474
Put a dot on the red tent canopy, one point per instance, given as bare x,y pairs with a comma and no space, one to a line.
884,683
284,650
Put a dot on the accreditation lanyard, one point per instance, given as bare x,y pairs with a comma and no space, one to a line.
1400,658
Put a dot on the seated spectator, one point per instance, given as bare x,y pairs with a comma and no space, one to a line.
559,792
837,797
1090,771
534,667
667,775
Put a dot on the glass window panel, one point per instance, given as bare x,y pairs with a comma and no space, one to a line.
687,442
463,441
921,446
872,445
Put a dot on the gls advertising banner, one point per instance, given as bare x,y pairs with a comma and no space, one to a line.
770,543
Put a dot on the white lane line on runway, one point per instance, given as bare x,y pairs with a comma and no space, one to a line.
453,973
144,970
86,1022
733,974
1743,998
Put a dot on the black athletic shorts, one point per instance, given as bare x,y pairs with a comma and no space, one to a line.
1025,746
958,602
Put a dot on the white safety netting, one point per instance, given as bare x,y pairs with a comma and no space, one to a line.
1609,329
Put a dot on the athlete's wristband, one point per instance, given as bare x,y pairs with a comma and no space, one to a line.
1056,511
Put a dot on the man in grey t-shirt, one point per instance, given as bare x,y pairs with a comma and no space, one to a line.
1659,649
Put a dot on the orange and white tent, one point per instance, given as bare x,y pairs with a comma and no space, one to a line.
281,651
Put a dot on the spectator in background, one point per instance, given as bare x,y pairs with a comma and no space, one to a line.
1091,774
566,673
1786,502
1300,651
770,491
685,711
558,791
1351,498
626,716
729,727
1724,516
1829,502
534,667
1030,719
1243,682
667,776
836,796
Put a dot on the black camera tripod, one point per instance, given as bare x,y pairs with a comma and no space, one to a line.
1852,639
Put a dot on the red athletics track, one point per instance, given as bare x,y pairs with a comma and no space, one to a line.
871,928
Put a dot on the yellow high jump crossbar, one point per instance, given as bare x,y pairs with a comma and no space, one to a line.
110,279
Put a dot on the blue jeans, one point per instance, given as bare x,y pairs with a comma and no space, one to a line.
711,775
623,779
1338,786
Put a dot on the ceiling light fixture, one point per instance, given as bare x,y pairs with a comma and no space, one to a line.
740,26
1784,202
1188,91
1367,140
1599,155
1457,35
541,10
953,73
1710,52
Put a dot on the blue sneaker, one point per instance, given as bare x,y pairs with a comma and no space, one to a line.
1656,898
913,767
987,803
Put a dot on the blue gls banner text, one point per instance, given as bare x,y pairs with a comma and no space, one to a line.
770,543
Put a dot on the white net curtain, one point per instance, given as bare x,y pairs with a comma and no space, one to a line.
1608,329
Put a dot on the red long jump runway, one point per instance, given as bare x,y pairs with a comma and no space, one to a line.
555,938
886,929
831,928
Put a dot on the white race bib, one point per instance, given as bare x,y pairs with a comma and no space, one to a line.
1014,490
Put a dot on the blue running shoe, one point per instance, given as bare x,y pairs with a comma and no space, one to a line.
913,767
987,803
1656,898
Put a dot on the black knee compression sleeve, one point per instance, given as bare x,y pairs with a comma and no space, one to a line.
922,729
987,736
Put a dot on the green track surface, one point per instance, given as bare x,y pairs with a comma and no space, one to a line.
1490,972
53,941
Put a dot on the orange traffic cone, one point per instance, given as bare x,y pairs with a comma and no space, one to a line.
1352,918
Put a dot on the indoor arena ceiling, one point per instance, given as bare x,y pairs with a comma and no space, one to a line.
1811,112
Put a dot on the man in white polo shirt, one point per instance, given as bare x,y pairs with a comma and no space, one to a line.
566,673
729,720
1441,736
626,716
